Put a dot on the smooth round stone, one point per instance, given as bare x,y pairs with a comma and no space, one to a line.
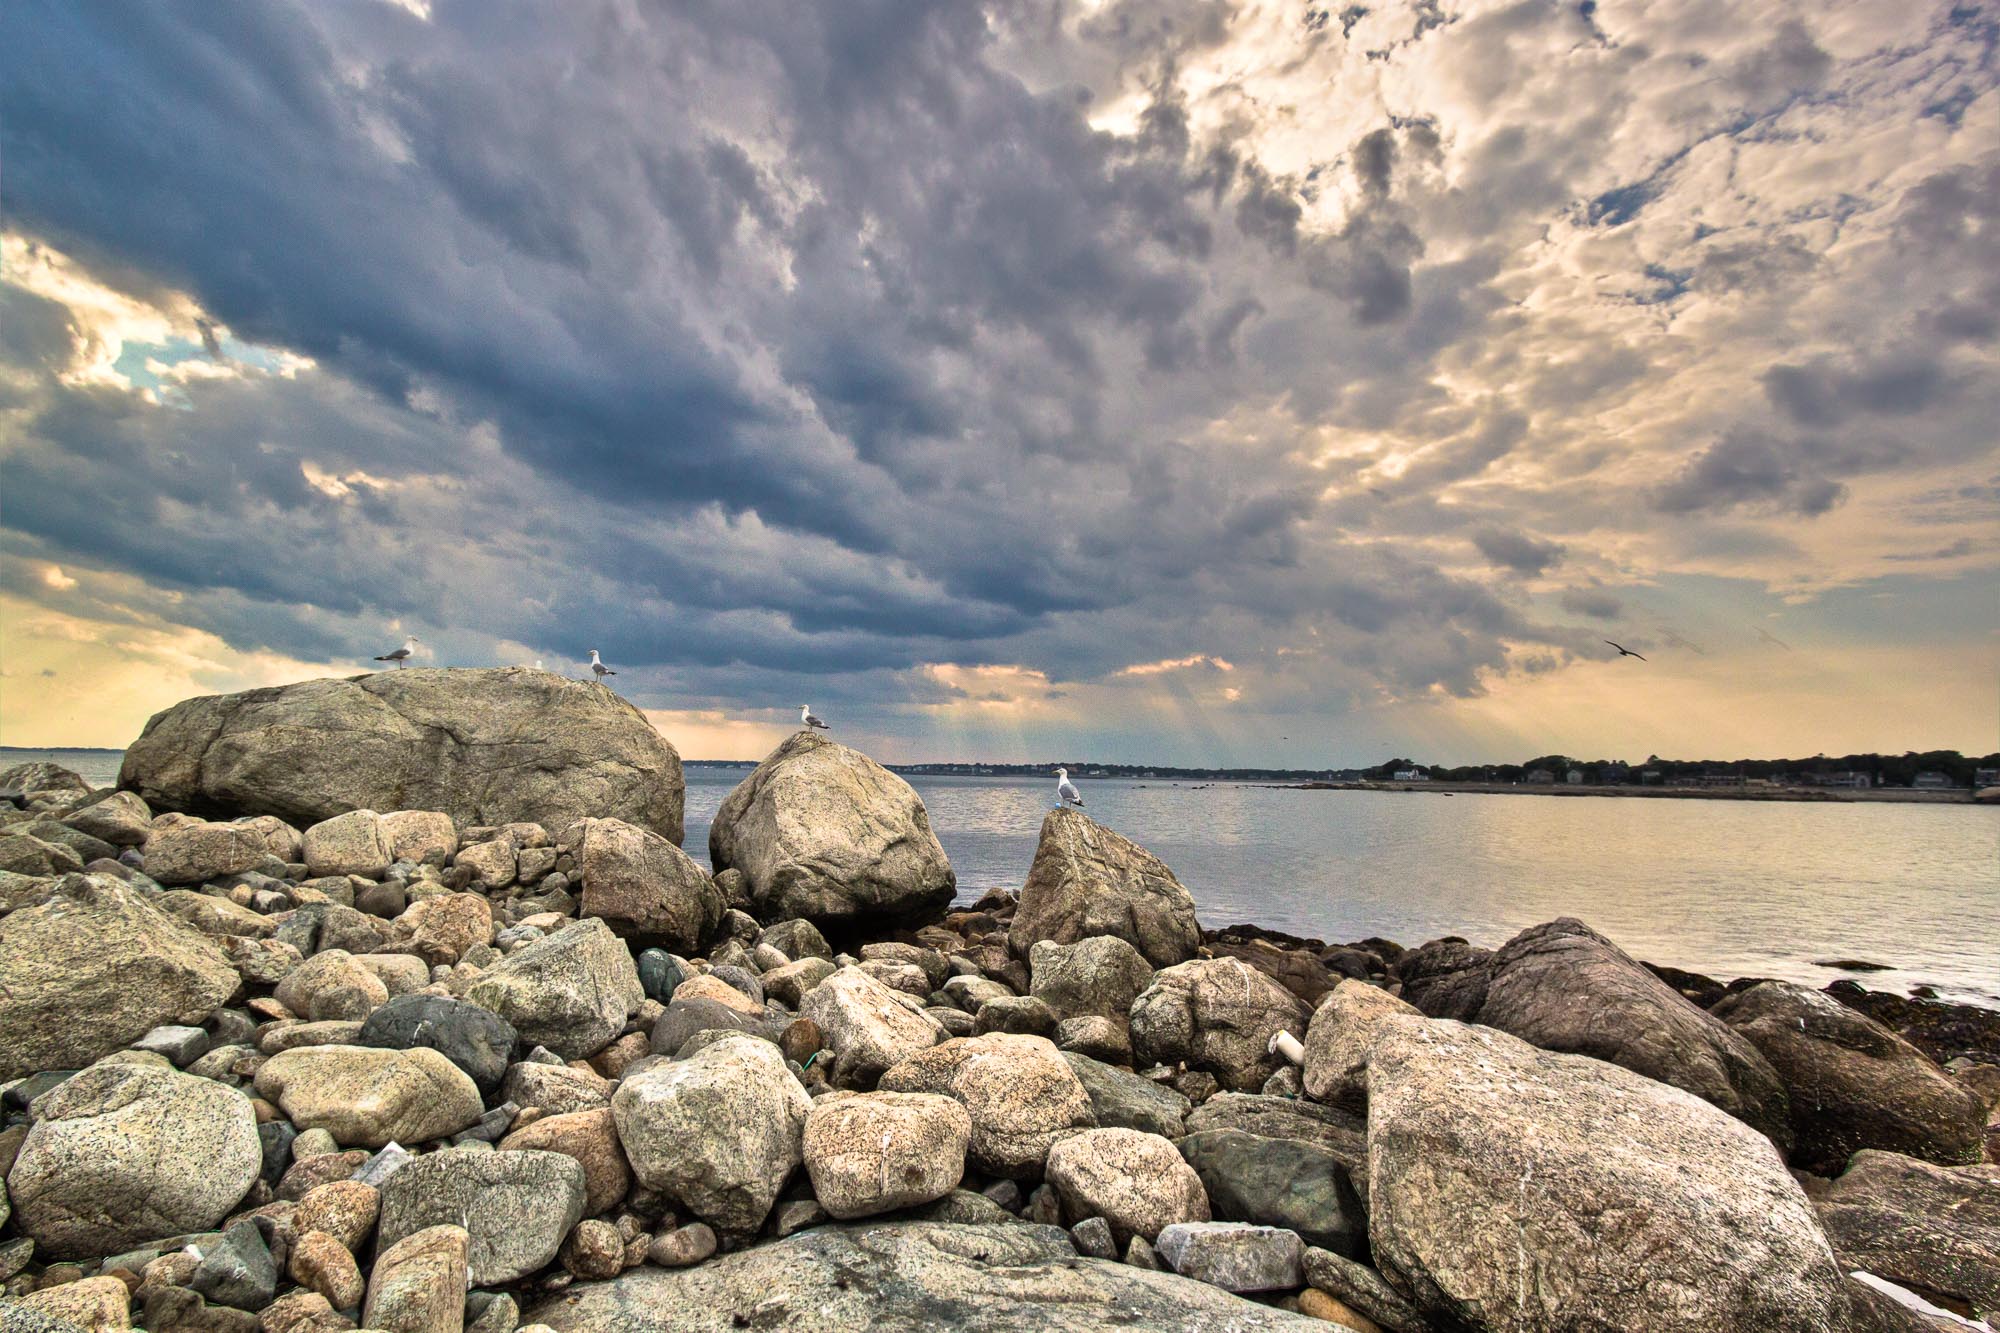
659,974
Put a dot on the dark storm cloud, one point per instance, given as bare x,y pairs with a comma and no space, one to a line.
1593,602
1517,551
1746,467
767,342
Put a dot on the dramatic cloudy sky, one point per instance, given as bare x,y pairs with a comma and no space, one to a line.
1175,380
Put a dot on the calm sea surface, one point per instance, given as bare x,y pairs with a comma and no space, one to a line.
1722,887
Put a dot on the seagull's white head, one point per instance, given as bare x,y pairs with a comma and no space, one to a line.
593,654
1062,772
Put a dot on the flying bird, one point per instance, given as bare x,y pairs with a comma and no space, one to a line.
808,721
1066,792
401,655
597,668
1623,651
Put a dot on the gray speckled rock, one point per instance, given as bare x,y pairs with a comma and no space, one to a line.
1123,1100
1647,1206
1235,1256
1337,1041
1851,1083
484,746
570,991
1217,1015
123,1153
1005,1278
1096,977
823,832
1087,880
720,1131
867,1026
94,968
516,1205
1563,987
1138,1183
120,819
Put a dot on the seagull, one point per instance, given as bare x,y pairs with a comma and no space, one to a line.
401,655
808,721
1066,792
1623,651
598,668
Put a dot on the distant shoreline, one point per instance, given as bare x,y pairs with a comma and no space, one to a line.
1879,795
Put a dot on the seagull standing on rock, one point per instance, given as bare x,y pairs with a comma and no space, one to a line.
1066,792
598,669
401,655
808,721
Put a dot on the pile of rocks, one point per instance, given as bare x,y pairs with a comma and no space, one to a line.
393,1070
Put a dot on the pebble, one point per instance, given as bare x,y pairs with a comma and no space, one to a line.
594,1250
682,1246
1318,1305
1092,1238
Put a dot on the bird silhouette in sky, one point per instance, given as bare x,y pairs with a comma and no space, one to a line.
1623,651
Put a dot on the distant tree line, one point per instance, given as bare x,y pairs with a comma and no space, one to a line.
1883,770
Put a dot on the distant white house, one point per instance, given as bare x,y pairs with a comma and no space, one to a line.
1932,780
1574,777
1411,775
1859,780
1540,777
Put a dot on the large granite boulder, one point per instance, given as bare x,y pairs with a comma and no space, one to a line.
1851,1082
120,819
369,1097
878,1151
94,968
123,1153
1098,976
40,780
867,1026
1564,987
720,1131
189,851
517,1205
1135,1181
1517,1189
1086,880
1021,1093
484,746
997,1277
823,832
1218,1015
1934,1229
571,991
1337,1041
645,887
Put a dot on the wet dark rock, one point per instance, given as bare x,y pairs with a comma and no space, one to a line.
1934,1229
1852,1083
1563,987
477,1040
1282,1183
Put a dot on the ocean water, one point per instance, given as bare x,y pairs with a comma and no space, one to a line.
1727,888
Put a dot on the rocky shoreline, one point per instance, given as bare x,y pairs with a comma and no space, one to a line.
390,1003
